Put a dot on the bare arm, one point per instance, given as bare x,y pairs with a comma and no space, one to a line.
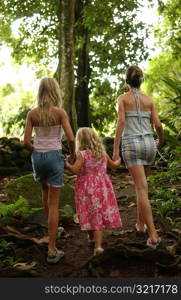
157,124
28,133
119,127
74,168
69,134
113,164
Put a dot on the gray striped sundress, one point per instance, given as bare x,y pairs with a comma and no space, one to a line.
138,144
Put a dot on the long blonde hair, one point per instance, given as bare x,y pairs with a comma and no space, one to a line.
87,139
49,95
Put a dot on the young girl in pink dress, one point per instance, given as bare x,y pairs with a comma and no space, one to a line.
96,203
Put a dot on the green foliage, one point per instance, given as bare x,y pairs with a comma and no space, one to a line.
19,209
171,151
172,116
18,119
165,195
116,37
37,29
103,108
20,101
67,211
166,210
5,31
168,31
7,254
165,177
7,89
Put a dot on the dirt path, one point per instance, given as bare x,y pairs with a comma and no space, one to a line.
126,254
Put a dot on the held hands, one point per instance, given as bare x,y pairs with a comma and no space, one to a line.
69,161
116,156
118,161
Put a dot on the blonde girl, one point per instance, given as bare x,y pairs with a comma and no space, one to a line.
49,121
96,203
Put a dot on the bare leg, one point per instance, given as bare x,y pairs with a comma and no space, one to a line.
147,170
45,190
98,235
45,197
53,217
144,208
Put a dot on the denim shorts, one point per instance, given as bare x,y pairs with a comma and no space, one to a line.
48,167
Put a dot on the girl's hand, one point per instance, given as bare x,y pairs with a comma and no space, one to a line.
70,159
159,143
118,161
115,156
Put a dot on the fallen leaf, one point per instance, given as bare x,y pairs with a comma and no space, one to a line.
25,266
132,204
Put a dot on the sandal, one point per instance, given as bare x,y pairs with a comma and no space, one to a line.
153,245
54,256
138,229
98,251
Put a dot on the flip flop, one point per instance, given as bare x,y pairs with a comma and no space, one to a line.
152,245
138,230
54,256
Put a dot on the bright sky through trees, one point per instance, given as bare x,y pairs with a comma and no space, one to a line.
24,73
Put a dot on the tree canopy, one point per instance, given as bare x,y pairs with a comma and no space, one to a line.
107,37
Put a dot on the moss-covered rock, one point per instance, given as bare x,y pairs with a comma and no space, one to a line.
15,144
24,153
26,186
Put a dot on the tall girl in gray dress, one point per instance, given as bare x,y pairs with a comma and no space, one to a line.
136,113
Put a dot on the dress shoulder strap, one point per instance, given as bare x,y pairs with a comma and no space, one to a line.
137,100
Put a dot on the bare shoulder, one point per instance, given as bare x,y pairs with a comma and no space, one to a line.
146,97
33,112
59,112
122,97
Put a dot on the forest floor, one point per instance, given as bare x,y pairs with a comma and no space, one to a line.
126,254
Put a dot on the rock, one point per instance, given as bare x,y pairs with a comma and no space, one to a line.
15,144
5,171
24,153
26,186
3,140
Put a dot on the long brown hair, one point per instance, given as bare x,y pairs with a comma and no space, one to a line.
134,76
49,95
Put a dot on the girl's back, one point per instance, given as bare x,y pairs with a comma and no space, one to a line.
56,113
130,104
91,165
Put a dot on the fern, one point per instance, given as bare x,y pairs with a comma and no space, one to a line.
19,209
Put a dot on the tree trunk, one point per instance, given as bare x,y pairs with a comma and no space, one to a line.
65,70
83,69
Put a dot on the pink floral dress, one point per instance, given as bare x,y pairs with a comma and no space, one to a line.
96,203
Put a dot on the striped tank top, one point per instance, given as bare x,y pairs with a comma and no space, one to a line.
48,140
